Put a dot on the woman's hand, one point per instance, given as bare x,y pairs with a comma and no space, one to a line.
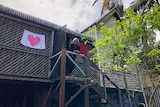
77,51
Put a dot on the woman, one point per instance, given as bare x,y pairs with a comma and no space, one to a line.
74,47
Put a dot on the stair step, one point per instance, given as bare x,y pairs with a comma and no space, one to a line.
99,90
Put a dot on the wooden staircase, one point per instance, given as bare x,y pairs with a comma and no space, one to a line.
100,90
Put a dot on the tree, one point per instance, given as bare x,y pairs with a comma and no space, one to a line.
143,6
118,45
151,52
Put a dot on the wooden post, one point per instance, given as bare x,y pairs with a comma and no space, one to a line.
63,72
62,88
104,86
75,95
120,98
86,97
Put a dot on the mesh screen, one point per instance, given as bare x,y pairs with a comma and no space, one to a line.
16,59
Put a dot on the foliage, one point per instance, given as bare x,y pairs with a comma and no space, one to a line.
151,51
118,44
152,59
143,6
152,18
91,32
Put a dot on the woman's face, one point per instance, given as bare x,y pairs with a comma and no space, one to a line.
75,41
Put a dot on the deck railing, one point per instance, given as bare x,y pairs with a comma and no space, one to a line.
83,66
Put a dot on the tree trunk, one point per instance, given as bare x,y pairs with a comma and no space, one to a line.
126,87
152,94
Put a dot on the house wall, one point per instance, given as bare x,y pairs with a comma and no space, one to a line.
21,94
146,80
17,59
156,96
110,21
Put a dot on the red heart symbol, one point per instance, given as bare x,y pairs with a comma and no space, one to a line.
33,40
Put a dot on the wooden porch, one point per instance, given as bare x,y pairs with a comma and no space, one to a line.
85,76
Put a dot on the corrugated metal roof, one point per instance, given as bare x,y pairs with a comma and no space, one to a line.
106,15
15,13
18,78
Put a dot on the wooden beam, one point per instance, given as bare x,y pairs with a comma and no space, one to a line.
54,91
86,97
49,93
70,100
63,72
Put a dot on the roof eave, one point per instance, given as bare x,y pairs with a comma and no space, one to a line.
106,16
23,16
